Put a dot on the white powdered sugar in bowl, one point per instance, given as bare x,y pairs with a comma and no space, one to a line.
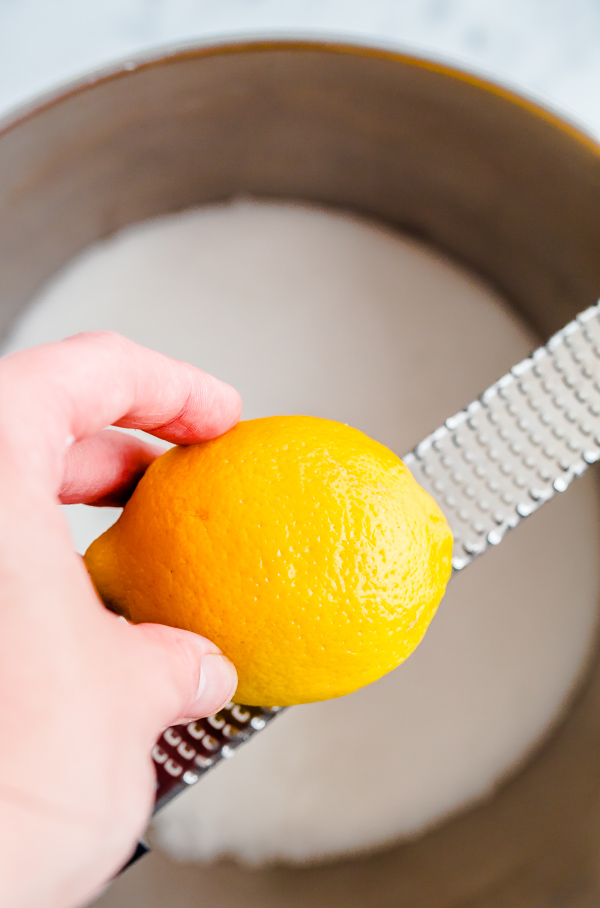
317,312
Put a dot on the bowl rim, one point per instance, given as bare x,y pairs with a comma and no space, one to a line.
177,53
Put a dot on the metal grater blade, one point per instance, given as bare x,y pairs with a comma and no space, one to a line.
184,752
488,467
525,439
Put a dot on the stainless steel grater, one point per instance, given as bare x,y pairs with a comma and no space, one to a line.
184,752
488,467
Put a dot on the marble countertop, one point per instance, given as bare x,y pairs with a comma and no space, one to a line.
548,49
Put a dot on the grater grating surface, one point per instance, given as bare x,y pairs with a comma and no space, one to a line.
488,467
184,752
526,438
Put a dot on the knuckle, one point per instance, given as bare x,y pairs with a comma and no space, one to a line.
102,338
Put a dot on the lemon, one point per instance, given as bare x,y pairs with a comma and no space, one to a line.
301,547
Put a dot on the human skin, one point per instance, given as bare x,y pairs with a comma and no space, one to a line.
83,694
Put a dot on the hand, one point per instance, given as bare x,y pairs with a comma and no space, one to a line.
84,695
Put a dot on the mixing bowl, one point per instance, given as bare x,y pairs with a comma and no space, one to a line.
492,180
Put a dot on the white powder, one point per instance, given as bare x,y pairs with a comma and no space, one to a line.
308,311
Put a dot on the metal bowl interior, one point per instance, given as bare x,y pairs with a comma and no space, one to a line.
490,179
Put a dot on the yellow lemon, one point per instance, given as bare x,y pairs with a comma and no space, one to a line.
300,546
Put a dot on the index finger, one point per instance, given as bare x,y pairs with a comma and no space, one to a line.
72,389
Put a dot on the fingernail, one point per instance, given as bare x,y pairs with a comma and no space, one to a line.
231,398
218,681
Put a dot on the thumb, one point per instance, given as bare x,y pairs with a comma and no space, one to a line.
180,675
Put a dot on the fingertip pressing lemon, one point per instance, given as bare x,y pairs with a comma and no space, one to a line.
301,547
